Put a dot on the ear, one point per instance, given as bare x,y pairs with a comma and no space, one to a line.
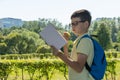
86,24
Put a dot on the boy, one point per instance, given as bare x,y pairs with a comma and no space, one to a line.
80,22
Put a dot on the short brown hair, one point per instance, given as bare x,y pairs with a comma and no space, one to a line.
83,14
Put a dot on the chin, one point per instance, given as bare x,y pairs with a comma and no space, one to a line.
76,34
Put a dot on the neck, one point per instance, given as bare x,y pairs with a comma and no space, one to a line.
82,34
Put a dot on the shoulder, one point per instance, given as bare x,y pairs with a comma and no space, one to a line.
85,46
85,41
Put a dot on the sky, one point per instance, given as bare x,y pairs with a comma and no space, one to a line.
60,10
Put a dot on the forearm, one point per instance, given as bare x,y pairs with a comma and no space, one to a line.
73,64
65,49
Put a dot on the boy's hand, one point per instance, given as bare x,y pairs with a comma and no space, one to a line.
55,51
66,35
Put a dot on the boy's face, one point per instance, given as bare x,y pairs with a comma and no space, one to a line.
78,27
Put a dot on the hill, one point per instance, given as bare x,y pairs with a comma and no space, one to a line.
9,22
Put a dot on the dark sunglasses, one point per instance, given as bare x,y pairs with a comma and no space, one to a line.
75,23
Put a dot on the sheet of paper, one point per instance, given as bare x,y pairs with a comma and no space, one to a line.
52,36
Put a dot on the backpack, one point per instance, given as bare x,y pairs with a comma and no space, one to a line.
98,67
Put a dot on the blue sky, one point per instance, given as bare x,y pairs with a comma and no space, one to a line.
57,9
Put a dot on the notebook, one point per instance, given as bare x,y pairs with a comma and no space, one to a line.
52,37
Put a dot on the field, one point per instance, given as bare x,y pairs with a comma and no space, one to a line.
114,75
47,69
118,71
57,75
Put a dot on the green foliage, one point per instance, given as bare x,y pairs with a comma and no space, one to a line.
32,26
39,68
37,26
22,41
5,69
104,36
118,37
26,39
70,44
27,56
43,49
111,69
73,36
116,46
112,25
3,47
112,53
45,67
1,37
94,27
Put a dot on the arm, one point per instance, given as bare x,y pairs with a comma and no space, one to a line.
65,50
66,35
76,65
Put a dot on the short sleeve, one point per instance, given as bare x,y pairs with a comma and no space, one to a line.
85,46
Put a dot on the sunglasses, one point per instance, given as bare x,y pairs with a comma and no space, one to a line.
75,23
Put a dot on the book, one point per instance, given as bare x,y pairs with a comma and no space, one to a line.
52,37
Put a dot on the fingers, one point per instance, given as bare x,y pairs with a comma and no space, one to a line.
54,50
66,35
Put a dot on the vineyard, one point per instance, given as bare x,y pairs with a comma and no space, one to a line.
25,56
45,67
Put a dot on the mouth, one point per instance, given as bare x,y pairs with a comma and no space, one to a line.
74,32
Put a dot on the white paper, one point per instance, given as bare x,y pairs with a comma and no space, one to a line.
52,36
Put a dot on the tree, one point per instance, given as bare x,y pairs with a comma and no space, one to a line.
118,37
118,21
37,26
5,31
3,48
104,36
113,30
32,26
22,41
95,26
